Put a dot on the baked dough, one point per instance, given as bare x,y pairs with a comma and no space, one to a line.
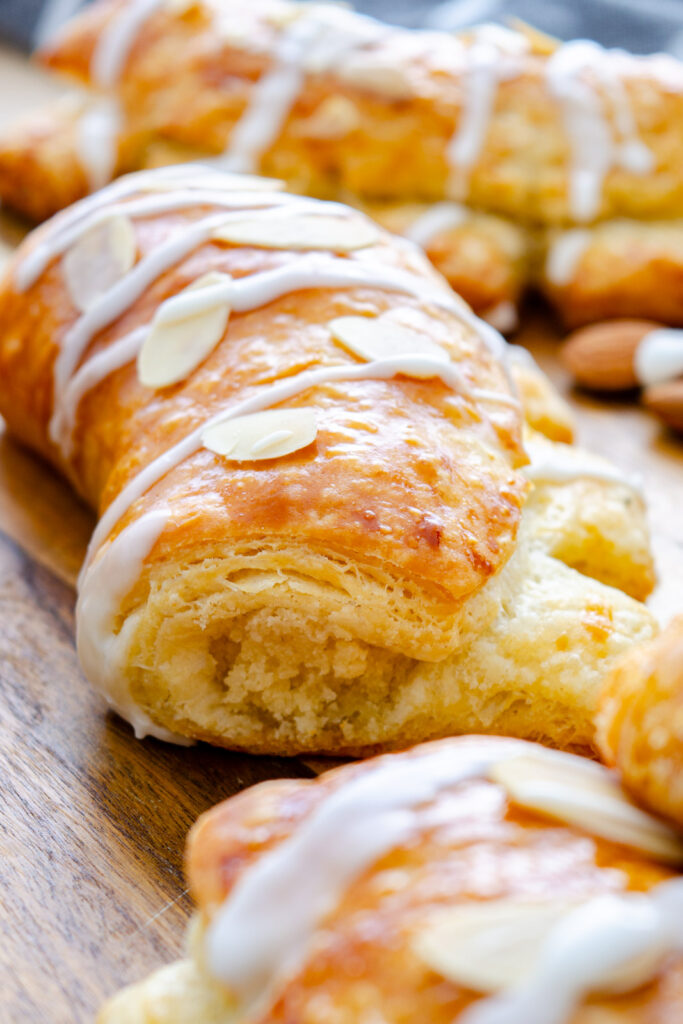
640,721
533,136
460,876
368,585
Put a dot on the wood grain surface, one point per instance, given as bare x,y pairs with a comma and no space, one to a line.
92,821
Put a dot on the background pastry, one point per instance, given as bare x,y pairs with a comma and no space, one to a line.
335,574
507,121
640,722
469,890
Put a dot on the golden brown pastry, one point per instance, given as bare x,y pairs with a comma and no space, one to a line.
340,106
306,454
473,881
640,722
620,268
414,115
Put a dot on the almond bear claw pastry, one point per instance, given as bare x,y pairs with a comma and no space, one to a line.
513,159
306,455
471,881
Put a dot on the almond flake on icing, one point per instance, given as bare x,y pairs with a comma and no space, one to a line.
100,258
262,435
173,349
305,231
379,338
495,945
589,799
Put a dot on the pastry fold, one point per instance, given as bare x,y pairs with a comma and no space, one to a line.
369,585
434,872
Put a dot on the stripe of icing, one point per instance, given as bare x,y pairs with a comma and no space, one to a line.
564,255
117,40
102,649
438,218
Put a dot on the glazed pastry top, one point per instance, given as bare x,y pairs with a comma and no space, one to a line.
336,890
416,431
330,100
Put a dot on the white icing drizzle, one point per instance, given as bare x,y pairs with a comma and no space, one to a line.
480,85
438,218
117,40
315,41
88,376
101,649
146,206
597,937
270,101
262,933
594,151
561,464
564,255
659,356
97,141
70,223
121,295
242,295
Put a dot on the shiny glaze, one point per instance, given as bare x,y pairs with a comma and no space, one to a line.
389,447
470,843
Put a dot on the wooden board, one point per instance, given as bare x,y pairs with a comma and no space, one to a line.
92,821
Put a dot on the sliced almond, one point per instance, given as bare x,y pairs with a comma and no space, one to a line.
603,356
666,402
173,349
381,338
262,435
100,258
589,799
496,945
300,231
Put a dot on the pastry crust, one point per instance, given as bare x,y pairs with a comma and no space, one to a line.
640,721
358,593
407,91
470,844
527,133
621,268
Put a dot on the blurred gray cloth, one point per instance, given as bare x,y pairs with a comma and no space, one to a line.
642,26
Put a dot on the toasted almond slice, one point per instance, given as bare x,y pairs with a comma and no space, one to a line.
99,259
300,231
382,338
492,946
262,435
172,350
592,800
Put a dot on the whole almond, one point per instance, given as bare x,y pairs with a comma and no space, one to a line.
666,402
601,356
